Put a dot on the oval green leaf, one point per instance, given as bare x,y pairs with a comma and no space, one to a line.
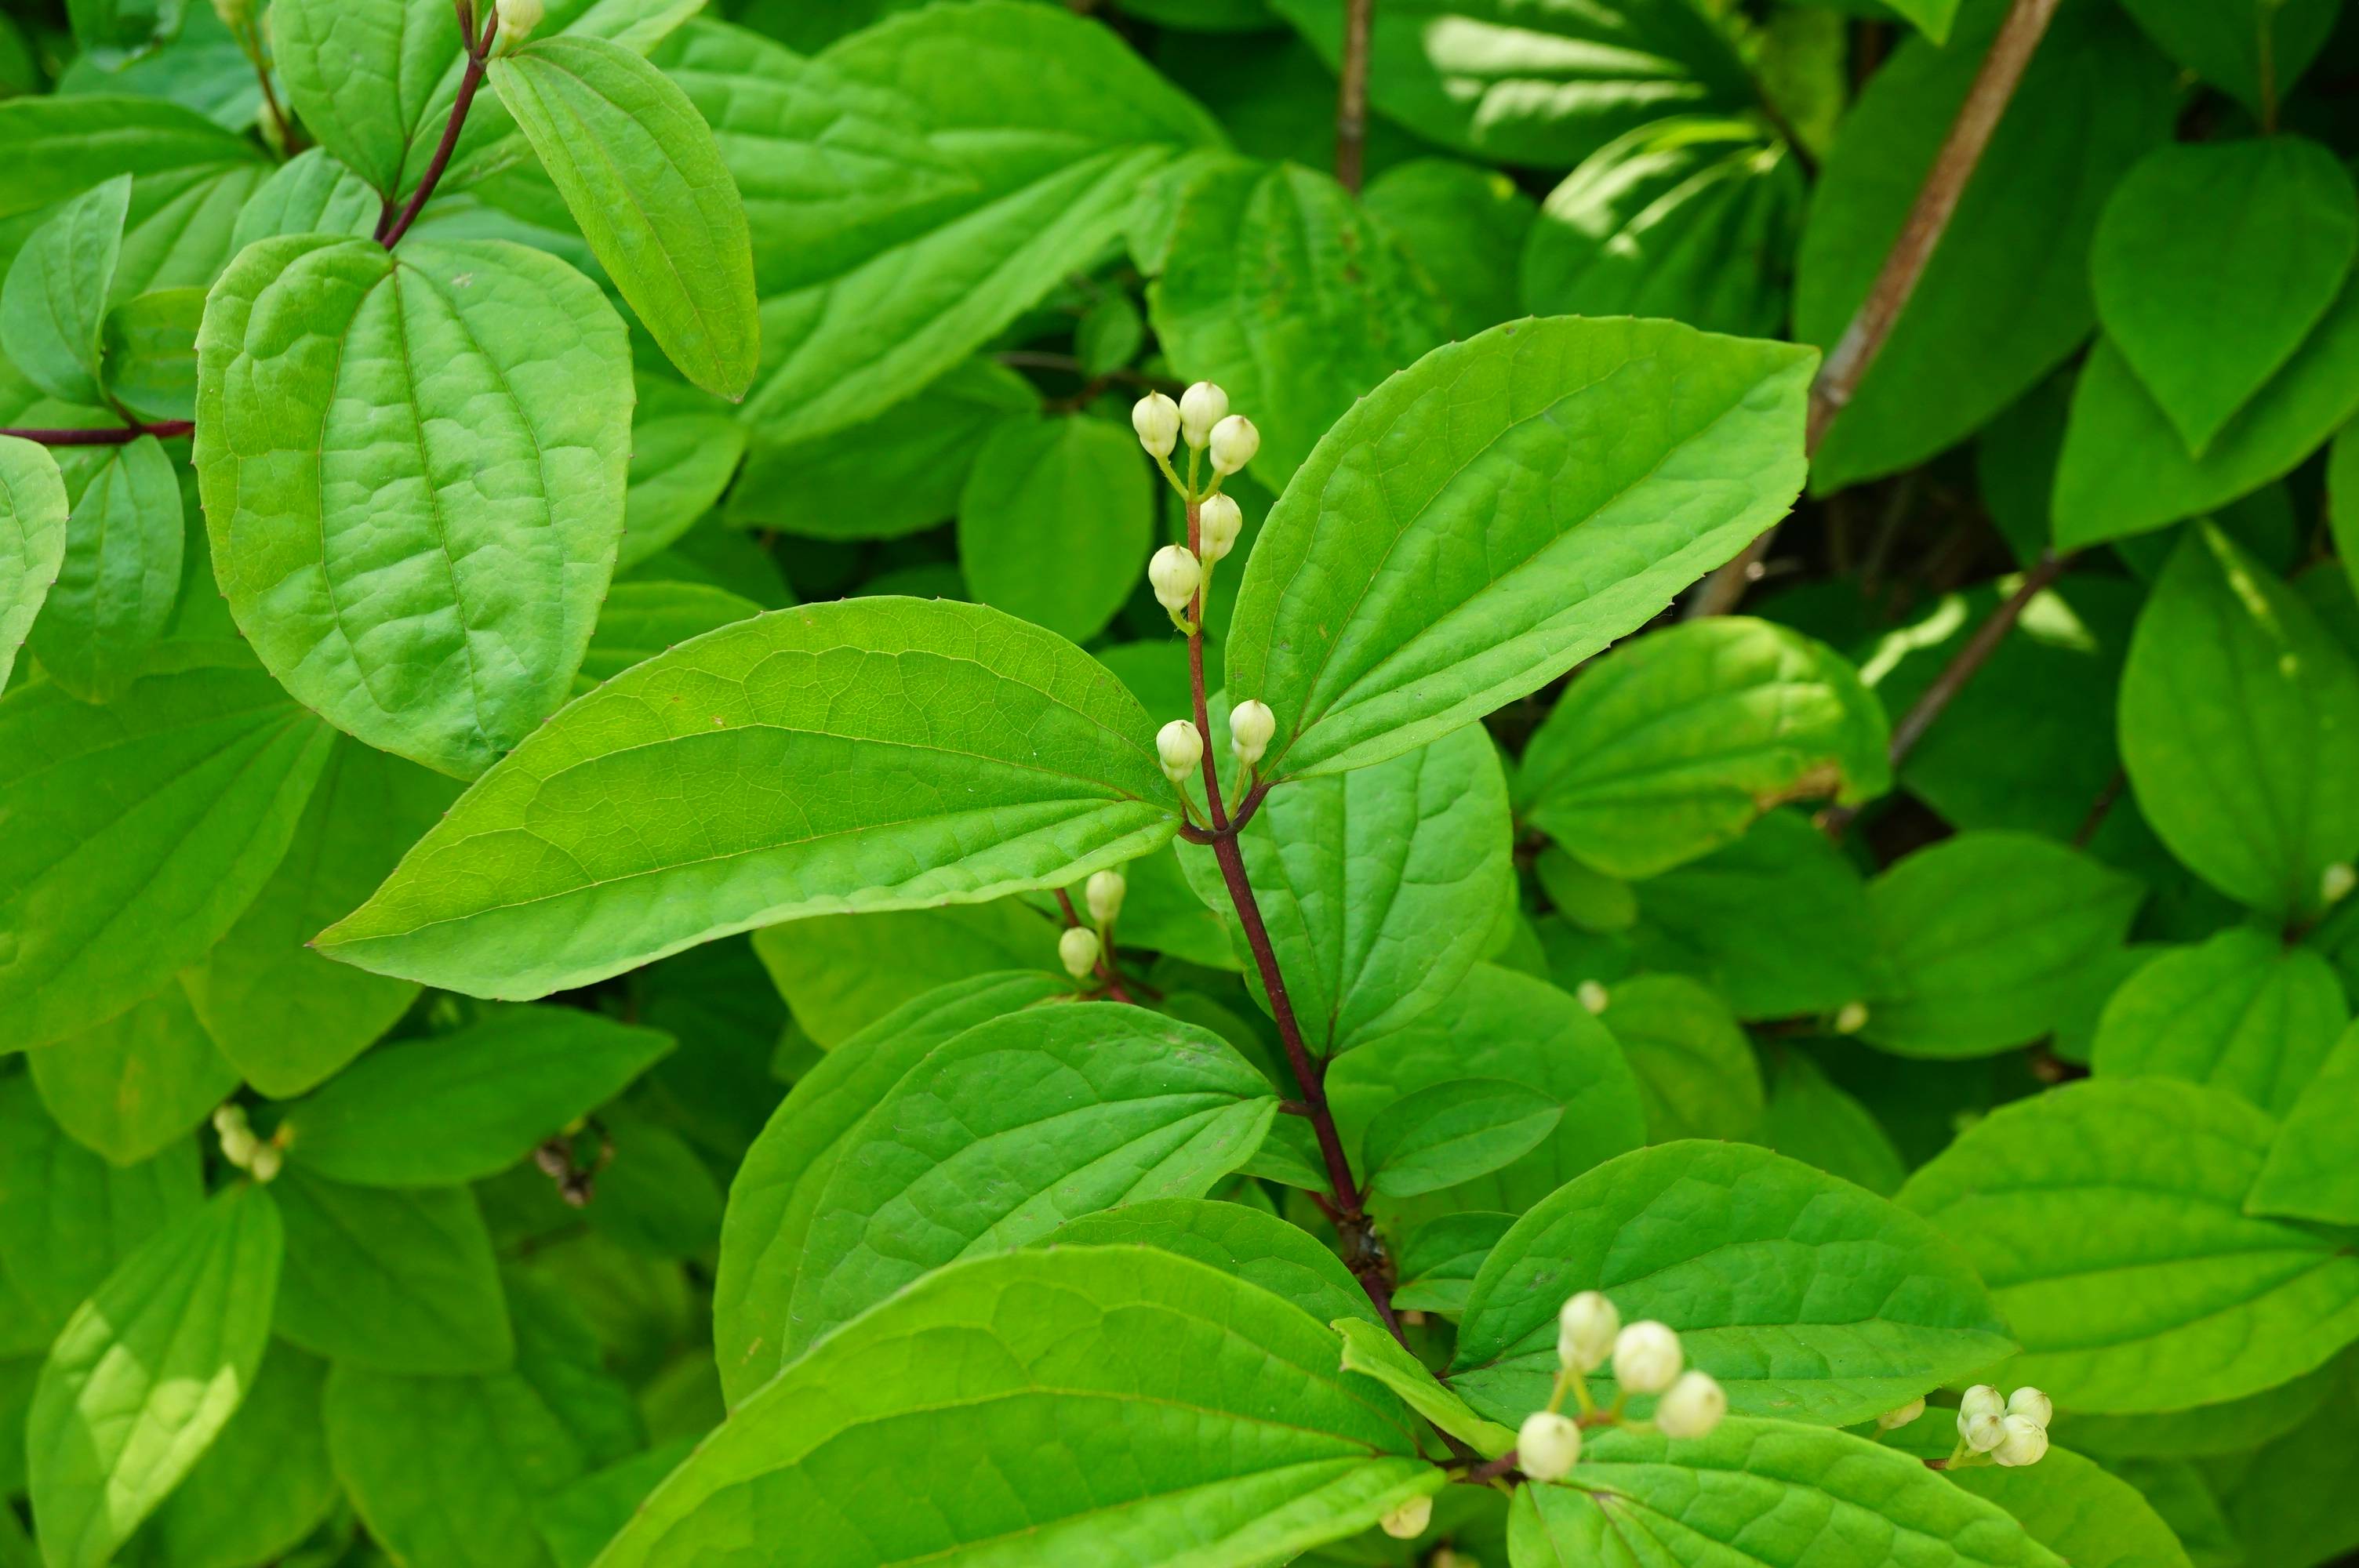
1453,1132
2241,1011
121,577
32,540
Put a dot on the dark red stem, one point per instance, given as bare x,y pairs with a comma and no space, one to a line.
105,435
479,55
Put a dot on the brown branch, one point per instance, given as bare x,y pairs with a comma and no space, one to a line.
1847,364
1352,94
104,435
390,228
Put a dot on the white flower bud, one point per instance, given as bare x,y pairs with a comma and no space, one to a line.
1851,1018
519,17
268,1159
2032,1406
1891,1421
1176,576
1586,1328
1079,949
1693,1407
1980,1400
1157,419
1218,522
238,1140
1105,895
1548,1447
2335,882
1646,1357
1408,1522
1180,747
1235,442
1251,725
1201,406
235,14
1981,1430
1592,995
2022,1441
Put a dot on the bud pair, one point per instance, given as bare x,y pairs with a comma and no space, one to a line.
1200,417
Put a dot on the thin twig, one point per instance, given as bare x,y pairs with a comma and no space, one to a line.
105,435
2100,808
1847,364
479,54
1352,94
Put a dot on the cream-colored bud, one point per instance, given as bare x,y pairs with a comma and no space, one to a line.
1850,1018
1201,406
2335,882
1078,949
2032,1405
1592,996
1180,747
1693,1407
1175,575
1157,419
1251,725
268,1161
1891,1421
1646,1357
519,17
1408,1522
1981,1430
1548,1447
1981,1400
2022,1441
1586,1330
1218,522
1105,895
1235,442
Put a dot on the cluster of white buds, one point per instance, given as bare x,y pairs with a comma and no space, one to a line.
2012,1430
1251,725
1180,746
1104,895
1408,1521
519,17
242,1148
1646,1359
1079,947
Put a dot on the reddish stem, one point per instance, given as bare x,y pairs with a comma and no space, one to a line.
479,54
105,435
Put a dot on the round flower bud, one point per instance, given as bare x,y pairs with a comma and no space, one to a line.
1201,406
1251,724
268,1159
2335,882
1408,1522
1893,1420
2032,1406
1105,895
1548,1447
1079,949
1592,995
1981,1400
1235,442
1218,522
1176,575
519,17
1693,1407
1157,419
1646,1357
1181,747
1851,1018
2022,1441
1585,1328
1981,1430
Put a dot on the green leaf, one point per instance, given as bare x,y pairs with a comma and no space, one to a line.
363,77
460,1106
265,1484
2108,1216
1235,1439
2308,1173
1694,1063
146,1374
1452,1132
2237,730
1766,1493
2254,50
1676,743
132,1085
1257,1247
149,344
2253,239
1543,85
138,834
451,1471
57,147
842,972
32,540
121,575
284,1015
989,758
1280,288
1985,937
2204,1431
2005,296
1807,1297
777,1188
2294,1500
578,1521
641,619
641,174
683,455
1500,1025
2241,1011
1055,522
310,193
2071,1506
1692,218
1439,1259
1603,465
413,472
54,302
1463,226
998,147
1001,1135
1817,1122
67,1218
1369,1349
397,1280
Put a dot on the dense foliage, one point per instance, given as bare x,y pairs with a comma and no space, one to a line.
828,783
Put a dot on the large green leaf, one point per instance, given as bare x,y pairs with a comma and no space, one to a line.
2241,1011
121,576
413,472
32,540
2108,1217
777,1188
1764,1493
2240,727
1495,514
1807,1297
2252,240
2310,1173
1256,1247
1452,1132
265,1484
1202,1420
1673,744
1695,1066
639,170
57,147
919,185
138,833
148,1373
1001,1135
461,1106
1280,288
1987,939
2005,296
1544,84
840,973
401,1282
310,193
2075,1509
913,752
684,452
54,301
132,1084
1055,520
363,76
